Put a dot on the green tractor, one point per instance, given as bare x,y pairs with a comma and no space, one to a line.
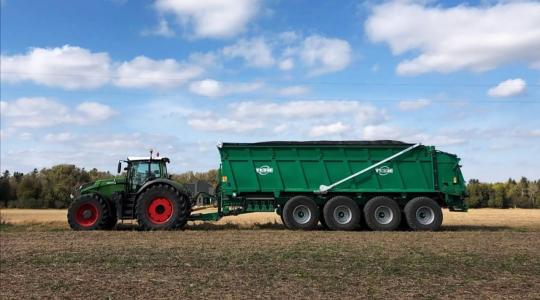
145,193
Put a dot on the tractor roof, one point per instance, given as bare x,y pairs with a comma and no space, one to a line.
146,158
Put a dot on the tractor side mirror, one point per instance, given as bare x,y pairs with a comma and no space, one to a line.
119,167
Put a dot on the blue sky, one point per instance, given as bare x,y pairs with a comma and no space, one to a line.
90,82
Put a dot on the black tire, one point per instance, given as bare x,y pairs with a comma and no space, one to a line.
301,212
382,214
321,219
423,214
89,212
172,211
113,218
342,213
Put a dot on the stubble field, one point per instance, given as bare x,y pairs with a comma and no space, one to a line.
485,253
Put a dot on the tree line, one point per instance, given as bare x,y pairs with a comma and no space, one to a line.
51,188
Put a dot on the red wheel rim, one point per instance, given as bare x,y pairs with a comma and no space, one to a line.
160,210
87,214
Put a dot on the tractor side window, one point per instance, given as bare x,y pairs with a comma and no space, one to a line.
140,173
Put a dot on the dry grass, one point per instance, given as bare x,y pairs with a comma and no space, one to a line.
481,219
480,254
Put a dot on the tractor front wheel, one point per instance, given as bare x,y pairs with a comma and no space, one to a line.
90,212
162,207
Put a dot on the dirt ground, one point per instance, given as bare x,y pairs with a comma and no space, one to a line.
482,254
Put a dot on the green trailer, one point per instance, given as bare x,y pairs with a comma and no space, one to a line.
339,184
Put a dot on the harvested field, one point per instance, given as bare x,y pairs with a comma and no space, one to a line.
481,219
482,254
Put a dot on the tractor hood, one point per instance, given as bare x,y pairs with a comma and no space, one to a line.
102,185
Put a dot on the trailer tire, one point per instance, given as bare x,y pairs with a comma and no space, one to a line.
162,207
382,214
423,214
342,213
89,212
301,212
322,220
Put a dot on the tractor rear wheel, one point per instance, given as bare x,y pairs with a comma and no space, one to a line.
342,213
90,212
301,212
423,213
162,207
382,214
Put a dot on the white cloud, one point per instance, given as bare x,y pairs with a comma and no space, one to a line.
295,90
508,88
211,18
305,109
417,104
460,37
224,125
256,52
289,37
286,64
44,112
67,67
143,72
162,29
329,129
94,112
534,133
288,119
325,55
214,88
388,132
59,137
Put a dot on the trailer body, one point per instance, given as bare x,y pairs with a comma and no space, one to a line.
263,176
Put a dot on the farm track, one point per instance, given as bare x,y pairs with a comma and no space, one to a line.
496,258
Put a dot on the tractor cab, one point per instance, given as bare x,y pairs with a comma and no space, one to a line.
140,170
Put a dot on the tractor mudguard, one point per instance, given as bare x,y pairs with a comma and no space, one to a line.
172,183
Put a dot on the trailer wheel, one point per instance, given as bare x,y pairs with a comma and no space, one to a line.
342,213
89,212
423,213
301,212
382,214
162,207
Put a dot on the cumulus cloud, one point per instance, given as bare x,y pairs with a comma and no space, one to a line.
298,118
73,68
389,132
162,29
329,129
456,38
508,88
59,137
67,67
214,88
224,125
295,90
43,112
325,55
255,52
142,72
286,64
211,18
408,105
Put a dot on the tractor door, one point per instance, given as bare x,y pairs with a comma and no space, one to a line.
142,171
